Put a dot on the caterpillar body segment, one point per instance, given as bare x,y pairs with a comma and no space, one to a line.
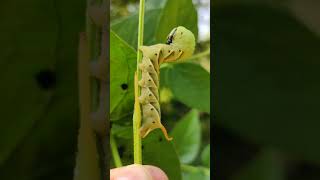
147,96
180,45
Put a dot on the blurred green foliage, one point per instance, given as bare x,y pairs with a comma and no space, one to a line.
39,108
266,91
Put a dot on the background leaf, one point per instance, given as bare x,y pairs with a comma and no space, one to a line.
187,136
190,84
122,68
205,156
273,87
177,13
127,28
192,173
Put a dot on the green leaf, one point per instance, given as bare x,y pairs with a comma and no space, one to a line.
267,78
127,28
268,165
122,68
155,4
193,173
177,13
156,150
205,156
187,136
190,84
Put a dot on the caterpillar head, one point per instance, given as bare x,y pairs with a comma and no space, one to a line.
182,39
150,125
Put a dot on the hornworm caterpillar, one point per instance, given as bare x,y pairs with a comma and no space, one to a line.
180,45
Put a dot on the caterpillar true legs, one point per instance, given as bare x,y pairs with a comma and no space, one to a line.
180,45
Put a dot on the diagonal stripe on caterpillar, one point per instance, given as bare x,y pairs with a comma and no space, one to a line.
180,45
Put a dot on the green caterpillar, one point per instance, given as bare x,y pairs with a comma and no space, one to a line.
180,45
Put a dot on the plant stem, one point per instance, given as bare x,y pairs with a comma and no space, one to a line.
114,151
137,154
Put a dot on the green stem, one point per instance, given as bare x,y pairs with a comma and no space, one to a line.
114,151
137,154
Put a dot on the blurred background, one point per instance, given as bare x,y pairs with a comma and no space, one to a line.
266,89
39,91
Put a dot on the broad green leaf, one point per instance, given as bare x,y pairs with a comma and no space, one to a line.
267,78
193,173
205,156
122,68
127,28
187,136
177,13
155,4
156,150
190,84
268,165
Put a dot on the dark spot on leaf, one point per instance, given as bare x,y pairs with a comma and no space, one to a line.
46,79
124,86
153,122
156,54
142,147
149,94
160,139
149,79
151,109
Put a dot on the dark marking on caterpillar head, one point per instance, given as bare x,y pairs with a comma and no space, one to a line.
124,86
153,122
171,36
46,79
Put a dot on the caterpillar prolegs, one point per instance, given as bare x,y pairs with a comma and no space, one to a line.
180,45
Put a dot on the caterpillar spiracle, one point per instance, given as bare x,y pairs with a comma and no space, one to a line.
180,45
